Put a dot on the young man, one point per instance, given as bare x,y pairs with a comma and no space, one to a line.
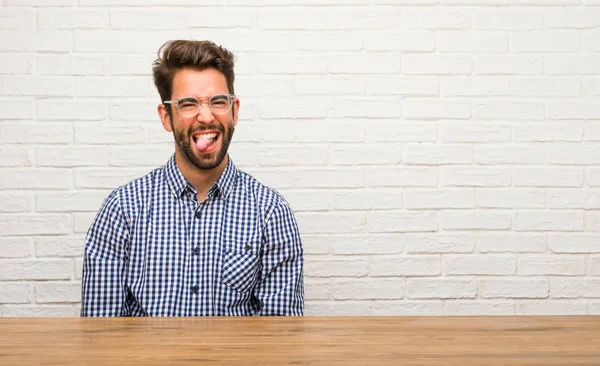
196,237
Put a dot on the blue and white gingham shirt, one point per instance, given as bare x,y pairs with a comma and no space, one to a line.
153,250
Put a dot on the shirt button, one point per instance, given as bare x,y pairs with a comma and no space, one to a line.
247,247
196,251
195,289
198,214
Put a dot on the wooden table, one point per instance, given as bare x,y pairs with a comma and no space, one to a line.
544,340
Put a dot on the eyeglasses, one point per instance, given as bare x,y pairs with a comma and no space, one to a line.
190,106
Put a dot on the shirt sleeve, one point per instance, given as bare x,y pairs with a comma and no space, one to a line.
103,291
281,288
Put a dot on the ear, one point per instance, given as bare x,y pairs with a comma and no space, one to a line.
164,117
236,109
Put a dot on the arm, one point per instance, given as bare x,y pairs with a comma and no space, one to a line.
281,289
103,291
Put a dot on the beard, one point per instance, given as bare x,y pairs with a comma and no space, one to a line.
207,161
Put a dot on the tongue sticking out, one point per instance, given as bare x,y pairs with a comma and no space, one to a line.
203,144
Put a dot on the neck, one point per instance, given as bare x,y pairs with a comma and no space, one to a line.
201,179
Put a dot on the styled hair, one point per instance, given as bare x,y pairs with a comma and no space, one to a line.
187,54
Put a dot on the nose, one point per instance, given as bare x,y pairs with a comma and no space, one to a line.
205,115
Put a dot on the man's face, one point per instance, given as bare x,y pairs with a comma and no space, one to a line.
202,139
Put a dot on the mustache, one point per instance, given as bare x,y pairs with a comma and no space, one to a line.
216,126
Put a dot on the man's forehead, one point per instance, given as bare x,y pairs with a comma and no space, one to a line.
206,82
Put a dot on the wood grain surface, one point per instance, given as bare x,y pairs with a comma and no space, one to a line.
543,340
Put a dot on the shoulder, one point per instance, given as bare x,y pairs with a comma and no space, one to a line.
132,195
268,199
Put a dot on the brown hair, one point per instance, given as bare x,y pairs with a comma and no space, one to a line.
198,55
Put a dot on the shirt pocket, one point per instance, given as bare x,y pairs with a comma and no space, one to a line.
240,265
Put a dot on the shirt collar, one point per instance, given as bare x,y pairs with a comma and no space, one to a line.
178,184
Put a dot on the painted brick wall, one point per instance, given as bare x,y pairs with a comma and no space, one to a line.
441,156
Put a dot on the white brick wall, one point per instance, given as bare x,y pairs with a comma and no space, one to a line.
440,154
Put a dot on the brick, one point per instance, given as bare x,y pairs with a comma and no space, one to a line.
466,41
327,42
436,65
509,110
16,247
246,40
133,109
438,198
52,64
434,19
30,41
42,86
94,178
78,267
510,198
71,156
548,221
593,178
508,65
476,177
435,109
59,246
367,199
16,18
551,265
380,107
331,222
113,86
544,41
577,109
34,224
398,85
336,268
548,132
569,288
15,157
367,154
41,3
133,64
16,63
589,41
584,17
72,18
318,290
475,220
81,201
478,308
308,199
364,244
511,243
106,134
16,201
514,289
82,221
77,110
329,178
441,289
363,64
54,269
547,86
15,293
491,264
317,85
474,86
127,156
569,198
333,308
550,307
58,292
370,289
385,131
547,177
439,243
16,109
574,243
414,265
401,221
412,308
508,19
400,42
277,108
282,64
21,311
36,133
402,177
475,133
116,41
572,64
574,155
434,154
496,155
35,178
590,87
